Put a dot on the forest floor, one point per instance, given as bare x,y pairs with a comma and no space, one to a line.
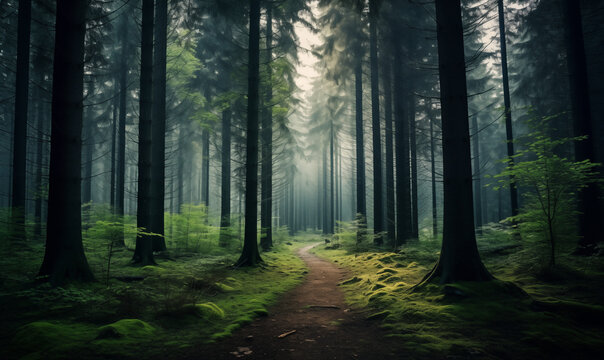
311,321
343,300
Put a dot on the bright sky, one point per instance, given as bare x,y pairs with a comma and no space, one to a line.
306,72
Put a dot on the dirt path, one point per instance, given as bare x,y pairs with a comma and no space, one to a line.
325,328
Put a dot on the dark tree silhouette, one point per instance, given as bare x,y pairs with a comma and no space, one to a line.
250,255
64,258
266,196
20,121
378,207
507,103
459,259
158,160
590,209
143,253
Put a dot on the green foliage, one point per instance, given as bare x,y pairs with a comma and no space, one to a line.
472,319
551,182
190,231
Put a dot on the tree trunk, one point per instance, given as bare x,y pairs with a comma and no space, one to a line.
114,118
20,122
39,193
390,214
225,189
143,253
413,153
158,160
205,168
64,258
326,204
476,173
459,259
250,255
589,206
403,190
360,141
121,133
266,201
433,181
507,106
88,148
378,207
331,180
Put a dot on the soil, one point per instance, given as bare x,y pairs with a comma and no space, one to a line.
311,321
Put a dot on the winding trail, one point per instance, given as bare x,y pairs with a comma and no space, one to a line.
325,328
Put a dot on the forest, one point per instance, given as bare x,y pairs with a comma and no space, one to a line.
301,179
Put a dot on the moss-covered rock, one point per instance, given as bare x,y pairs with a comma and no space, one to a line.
126,328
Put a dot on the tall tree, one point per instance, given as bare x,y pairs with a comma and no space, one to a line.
401,128
266,196
250,255
477,175
413,155
433,180
507,103
589,206
64,257
378,208
120,171
359,138
225,189
158,132
20,120
459,259
143,253
390,214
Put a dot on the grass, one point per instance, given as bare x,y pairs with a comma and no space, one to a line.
528,312
187,300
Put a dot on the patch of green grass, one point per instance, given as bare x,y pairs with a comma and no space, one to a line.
518,316
186,299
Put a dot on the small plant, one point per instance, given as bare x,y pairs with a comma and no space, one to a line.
551,182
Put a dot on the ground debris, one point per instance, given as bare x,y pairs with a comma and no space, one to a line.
287,333
323,307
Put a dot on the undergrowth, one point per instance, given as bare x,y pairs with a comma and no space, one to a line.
190,298
530,311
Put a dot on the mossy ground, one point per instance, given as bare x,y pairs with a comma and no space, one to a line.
186,300
528,312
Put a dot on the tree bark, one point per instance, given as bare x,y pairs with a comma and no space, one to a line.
590,209
459,259
403,190
225,189
64,257
413,154
266,201
143,253
88,148
250,255
507,105
477,175
390,214
360,142
378,207
433,181
20,122
158,151
121,132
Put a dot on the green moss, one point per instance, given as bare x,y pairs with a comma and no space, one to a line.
224,287
127,329
495,319
209,310
39,337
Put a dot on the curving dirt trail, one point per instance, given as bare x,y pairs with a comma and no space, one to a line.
325,328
